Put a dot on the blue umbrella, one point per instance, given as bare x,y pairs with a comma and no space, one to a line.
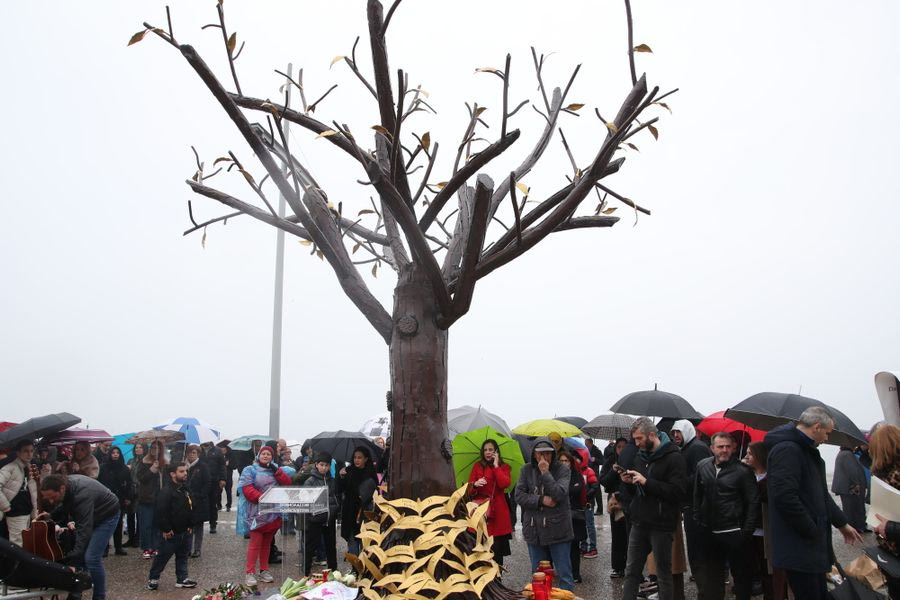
195,431
127,449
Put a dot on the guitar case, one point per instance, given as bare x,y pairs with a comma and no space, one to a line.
20,568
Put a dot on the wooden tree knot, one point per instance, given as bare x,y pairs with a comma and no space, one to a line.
447,449
389,400
408,325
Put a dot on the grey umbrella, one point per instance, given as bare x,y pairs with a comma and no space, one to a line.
37,427
768,410
470,418
654,403
578,422
609,427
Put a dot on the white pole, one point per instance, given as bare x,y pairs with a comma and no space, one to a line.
275,386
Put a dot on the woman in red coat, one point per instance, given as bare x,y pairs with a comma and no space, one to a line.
488,481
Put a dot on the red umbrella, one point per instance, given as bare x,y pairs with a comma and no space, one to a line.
76,434
717,422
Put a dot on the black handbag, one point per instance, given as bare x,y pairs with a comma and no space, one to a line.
852,589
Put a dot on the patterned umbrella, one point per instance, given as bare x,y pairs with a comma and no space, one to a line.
378,426
195,431
609,427
151,436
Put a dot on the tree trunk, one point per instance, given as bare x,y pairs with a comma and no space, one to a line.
420,464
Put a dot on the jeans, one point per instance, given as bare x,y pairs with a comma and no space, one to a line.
93,555
591,527
641,542
807,586
558,554
149,532
179,545
723,550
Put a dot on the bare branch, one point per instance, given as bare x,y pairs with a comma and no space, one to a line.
228,49
630,42
586,222
312,107
465,287
622,199
515,205
352,64
387,19
505,95
431,159
458,179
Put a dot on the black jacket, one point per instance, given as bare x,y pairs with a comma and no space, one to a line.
148,482
316,479
626,459
727,499
693,452
174,508
114,474
656,504
801,511
199,483
215,462
87,502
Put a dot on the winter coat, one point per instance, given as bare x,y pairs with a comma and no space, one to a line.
215,463
577,503
891,541
256,480
89,467
727,499
116,476
656,504
591,482
544,525
175,508
498,479
357,488
13,480
693,450
199,483
801,511
597,459
849,475
87,501
148,482
609,478
316,479
627,459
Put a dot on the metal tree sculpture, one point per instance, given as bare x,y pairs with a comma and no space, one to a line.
430,294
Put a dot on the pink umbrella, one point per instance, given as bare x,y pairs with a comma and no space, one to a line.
75,435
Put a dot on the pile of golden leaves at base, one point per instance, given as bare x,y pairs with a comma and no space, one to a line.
433,549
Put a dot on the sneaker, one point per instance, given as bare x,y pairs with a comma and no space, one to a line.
614,574
186,583
153,585
250,580
147,554
577,578
212,530
590,554
194,555
266,577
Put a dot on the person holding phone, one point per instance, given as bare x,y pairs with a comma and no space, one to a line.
488,480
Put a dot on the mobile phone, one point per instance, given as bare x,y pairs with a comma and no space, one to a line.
618,469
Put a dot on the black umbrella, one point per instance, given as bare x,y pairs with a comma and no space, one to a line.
576,421
768,410
340,444
654,403
36,428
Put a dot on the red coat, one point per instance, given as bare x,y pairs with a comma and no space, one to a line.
498,479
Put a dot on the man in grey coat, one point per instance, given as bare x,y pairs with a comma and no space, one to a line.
543,493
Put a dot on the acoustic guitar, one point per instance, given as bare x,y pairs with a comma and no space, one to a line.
40,538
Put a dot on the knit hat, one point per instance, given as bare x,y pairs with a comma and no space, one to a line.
269,448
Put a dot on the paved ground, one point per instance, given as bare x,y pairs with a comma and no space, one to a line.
223,557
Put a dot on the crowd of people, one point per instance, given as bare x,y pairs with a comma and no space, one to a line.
759,512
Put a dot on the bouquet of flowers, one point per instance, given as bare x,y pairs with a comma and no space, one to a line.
225,591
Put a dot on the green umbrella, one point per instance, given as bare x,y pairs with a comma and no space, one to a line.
541,427
467,452
245,442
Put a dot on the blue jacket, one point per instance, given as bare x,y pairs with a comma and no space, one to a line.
801,511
